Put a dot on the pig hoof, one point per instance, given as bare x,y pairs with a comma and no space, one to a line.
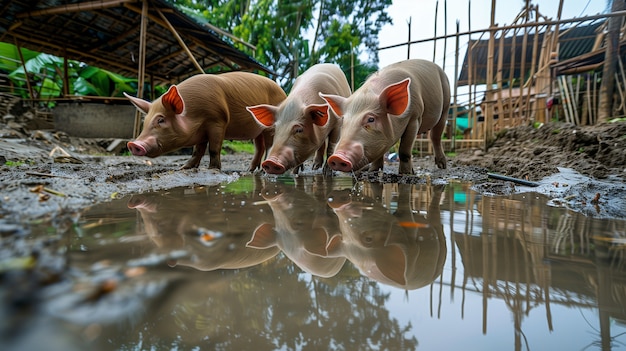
339,163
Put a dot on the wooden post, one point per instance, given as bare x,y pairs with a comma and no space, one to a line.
533,66
471,118
142,64
498,94
66,79
522,107
408,43
456,88
555,48
489,79
445,32
28,85
435,41
510,102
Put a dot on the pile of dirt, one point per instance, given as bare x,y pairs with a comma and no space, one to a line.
534,153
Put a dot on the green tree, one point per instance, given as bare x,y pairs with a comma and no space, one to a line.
291,36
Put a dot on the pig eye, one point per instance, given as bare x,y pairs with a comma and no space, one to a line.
371,119
297,129
161,121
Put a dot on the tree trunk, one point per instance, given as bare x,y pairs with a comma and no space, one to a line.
605,108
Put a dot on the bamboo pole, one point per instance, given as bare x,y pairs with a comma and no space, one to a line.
66,78
489,81
142,64
180,40
435,41
501,114
445,32
573,99
456,90
570,20
512,73
521,105
408,46
588,99
533,67
621,93
26,75
471,117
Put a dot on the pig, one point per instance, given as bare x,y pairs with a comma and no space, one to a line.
192,229
303,123
301,228
399,249
396,103
206,109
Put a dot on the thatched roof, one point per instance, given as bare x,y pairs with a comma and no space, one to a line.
106,34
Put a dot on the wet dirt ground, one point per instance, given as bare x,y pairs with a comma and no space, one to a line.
581,167
51,178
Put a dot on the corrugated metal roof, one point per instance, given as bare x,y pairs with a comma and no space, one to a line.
574,41
106,33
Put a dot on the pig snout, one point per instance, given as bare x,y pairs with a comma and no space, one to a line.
340,162
136,148
273,166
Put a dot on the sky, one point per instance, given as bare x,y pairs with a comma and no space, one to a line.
422,16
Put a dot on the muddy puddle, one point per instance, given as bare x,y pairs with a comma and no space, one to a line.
314,263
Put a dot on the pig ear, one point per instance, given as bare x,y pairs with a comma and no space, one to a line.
335,102
140,104
263,114
392,264
318,113
263,237
334,245
396,97
173,101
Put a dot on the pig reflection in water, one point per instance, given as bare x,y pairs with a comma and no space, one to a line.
302,229
399,249
195,224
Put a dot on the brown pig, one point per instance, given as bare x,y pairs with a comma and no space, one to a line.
206,109
396,103
303,123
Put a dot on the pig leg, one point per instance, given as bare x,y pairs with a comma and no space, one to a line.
377,164
331,142
259,151
319,157
216,139
435,138
405,150
196,156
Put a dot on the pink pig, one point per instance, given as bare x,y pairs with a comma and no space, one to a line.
396,103
206,109
303,121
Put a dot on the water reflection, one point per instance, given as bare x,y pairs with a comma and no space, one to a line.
402,249
315,263
302,228
210,226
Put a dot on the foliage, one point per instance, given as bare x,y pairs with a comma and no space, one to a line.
237,146
291,36
45,74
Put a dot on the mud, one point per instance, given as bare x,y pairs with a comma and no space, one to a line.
45,174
